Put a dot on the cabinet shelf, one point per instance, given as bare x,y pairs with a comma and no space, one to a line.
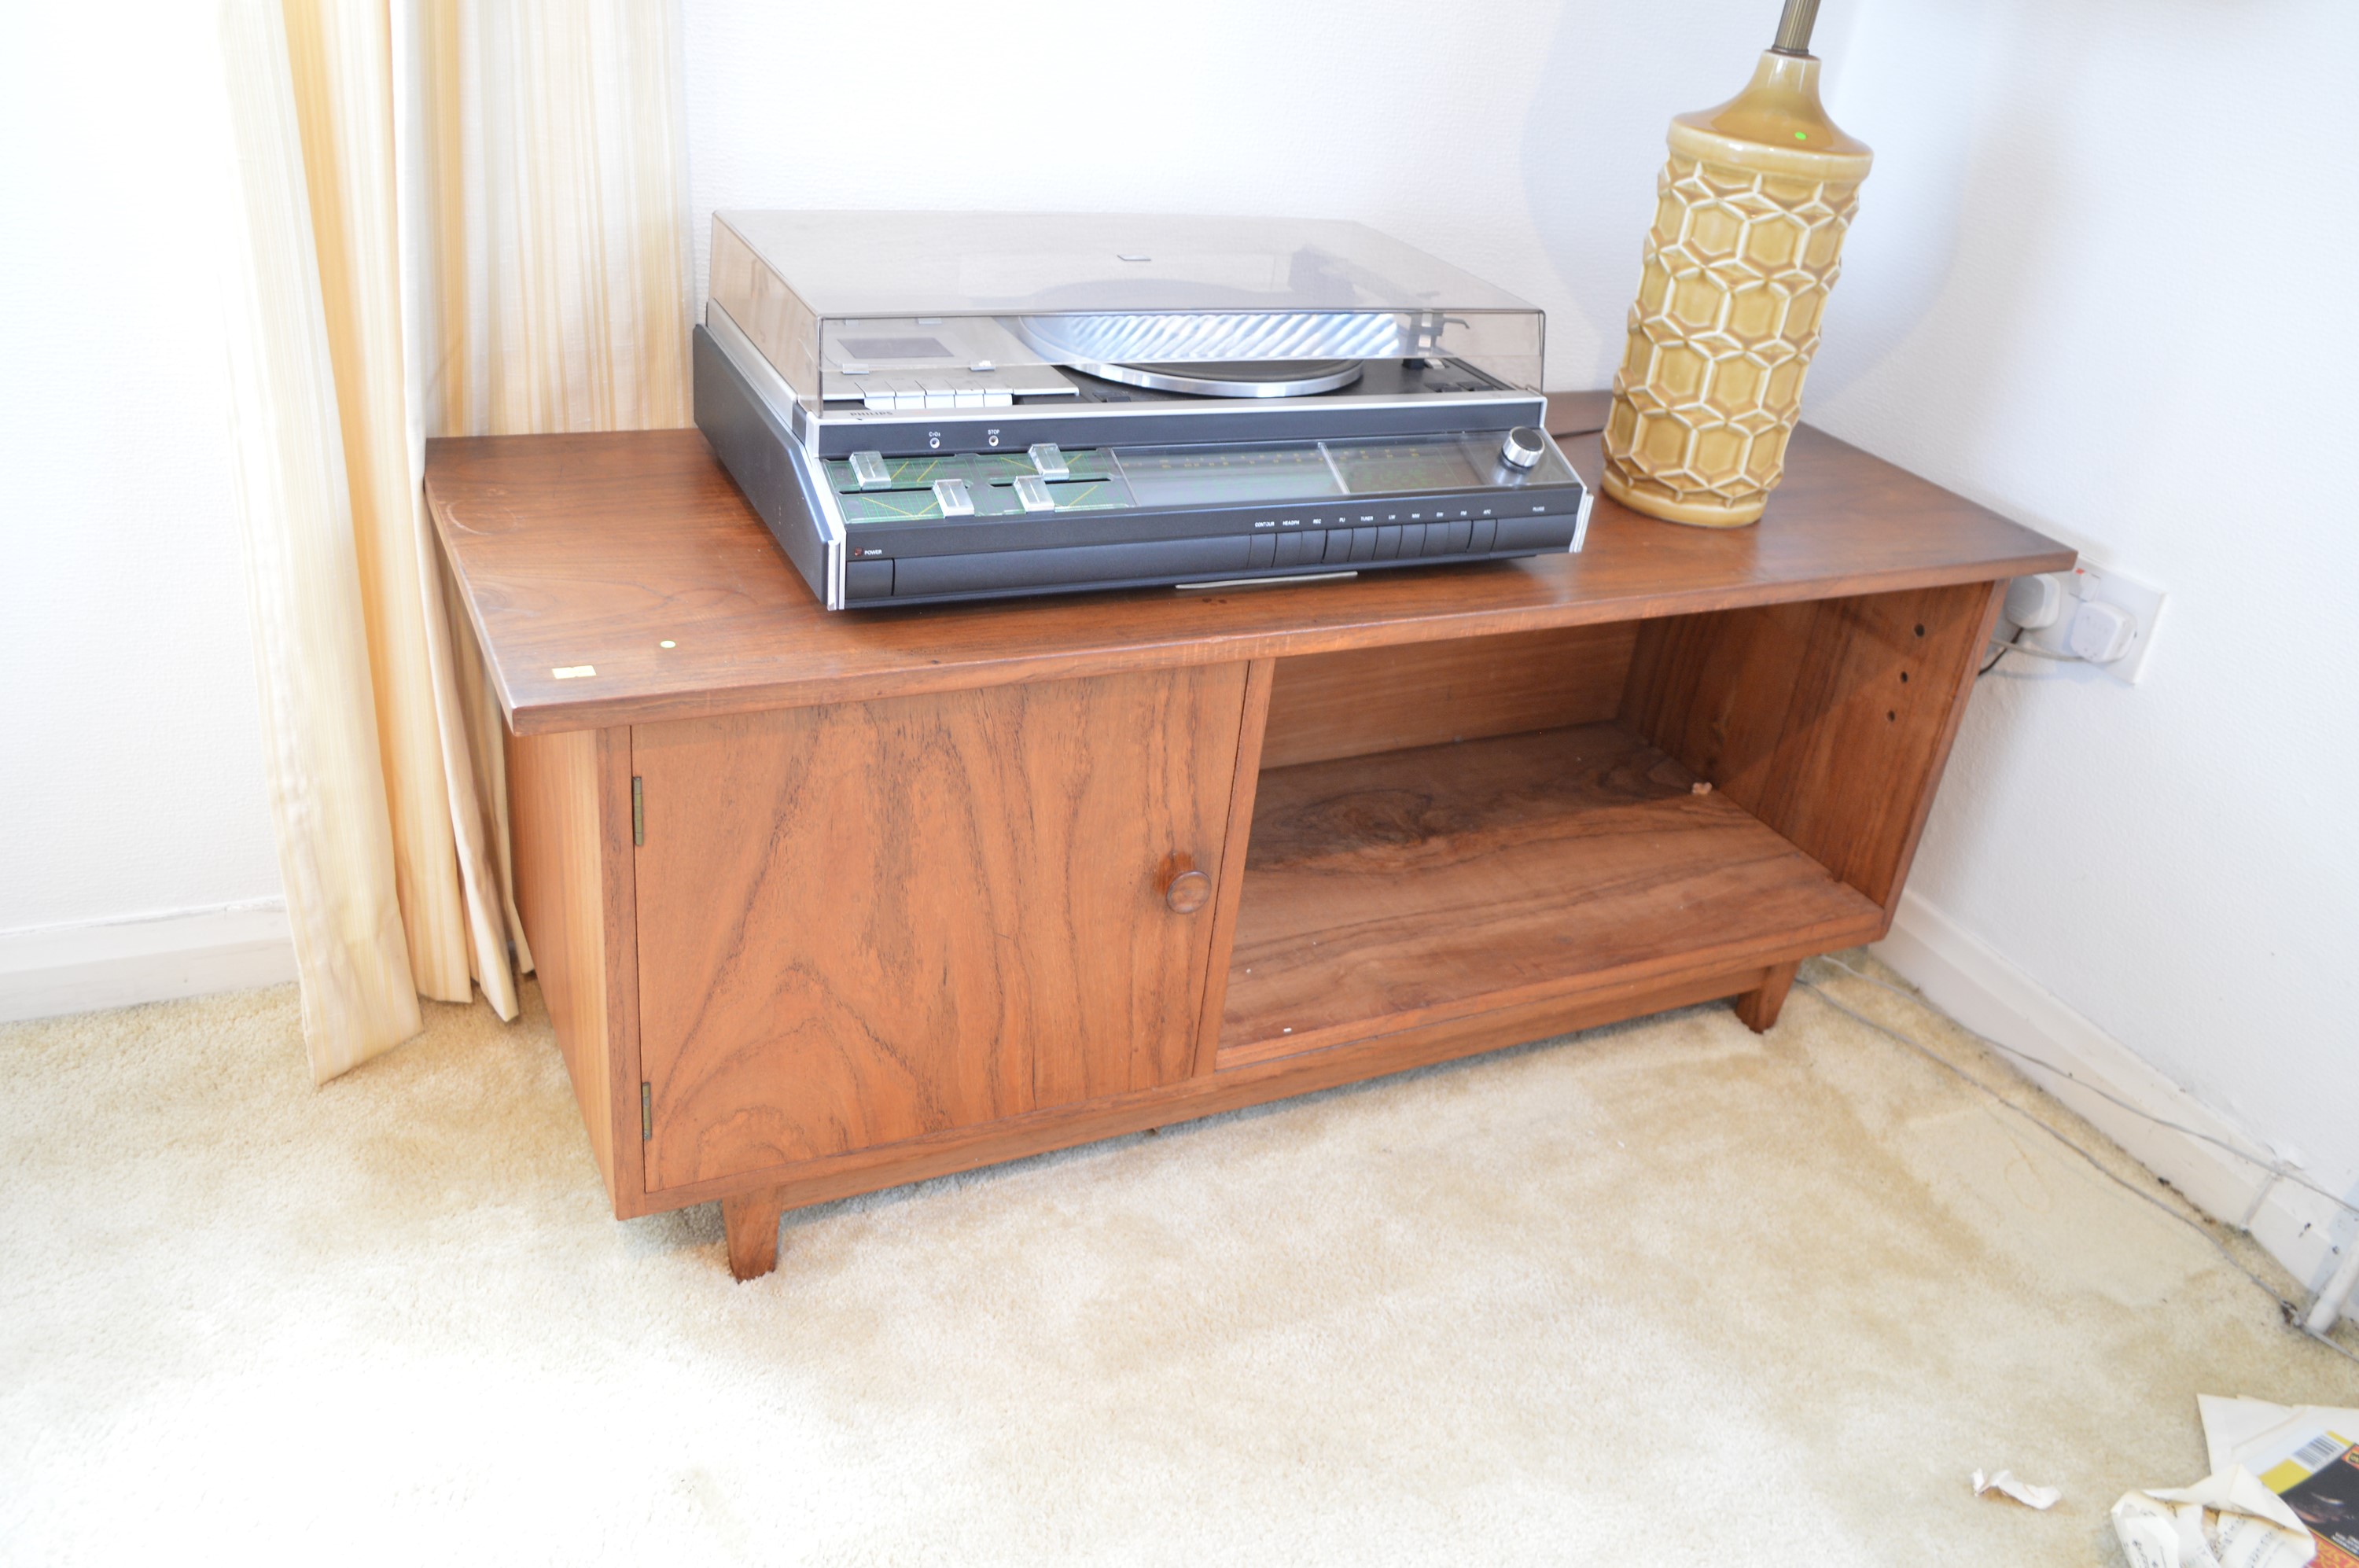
1389,891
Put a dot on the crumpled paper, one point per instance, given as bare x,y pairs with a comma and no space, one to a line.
2006,1483
2227,1520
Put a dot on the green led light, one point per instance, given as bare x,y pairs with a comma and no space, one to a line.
1801,135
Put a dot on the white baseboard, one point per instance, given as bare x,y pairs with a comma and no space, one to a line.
1982,988
49,970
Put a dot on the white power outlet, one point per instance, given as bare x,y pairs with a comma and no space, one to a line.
2086,584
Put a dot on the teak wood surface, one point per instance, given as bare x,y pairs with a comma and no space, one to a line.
862,922
1414,885
1828,720
592,551
1393,696
903,903
569,802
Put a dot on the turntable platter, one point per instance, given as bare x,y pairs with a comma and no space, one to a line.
1233,378
1288,353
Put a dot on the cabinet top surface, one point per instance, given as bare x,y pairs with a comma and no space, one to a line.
631,560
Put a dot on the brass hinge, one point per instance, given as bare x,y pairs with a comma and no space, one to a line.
647,1112
638,812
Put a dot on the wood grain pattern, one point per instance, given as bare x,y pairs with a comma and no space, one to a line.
1759,1007
597,549
749,1220
1830,722
867,922
1243,790
1390,698
1249,1084
575,894
1420,885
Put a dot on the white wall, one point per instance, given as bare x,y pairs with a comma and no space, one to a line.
2032,314
2103,281
1518,140
130,771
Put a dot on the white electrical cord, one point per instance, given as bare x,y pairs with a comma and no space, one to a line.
2331,1300
2291,1312
2277,1169
2037,652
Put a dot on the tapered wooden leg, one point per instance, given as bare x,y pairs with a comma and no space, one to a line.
751,1221
1759,1007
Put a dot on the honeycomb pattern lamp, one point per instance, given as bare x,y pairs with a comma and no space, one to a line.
1748,233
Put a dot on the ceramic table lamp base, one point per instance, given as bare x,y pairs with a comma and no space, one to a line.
1748,239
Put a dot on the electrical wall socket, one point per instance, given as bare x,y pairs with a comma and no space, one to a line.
2087,584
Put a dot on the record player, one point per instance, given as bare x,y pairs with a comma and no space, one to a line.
936,407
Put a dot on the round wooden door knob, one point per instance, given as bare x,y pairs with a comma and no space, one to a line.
1188,892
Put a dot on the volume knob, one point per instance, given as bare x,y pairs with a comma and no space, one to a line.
1522,447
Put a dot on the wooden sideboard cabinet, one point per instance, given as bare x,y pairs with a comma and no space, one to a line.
826,903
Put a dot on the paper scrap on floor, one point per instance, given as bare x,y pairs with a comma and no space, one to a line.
2006,1483
2222,1522
2283,1490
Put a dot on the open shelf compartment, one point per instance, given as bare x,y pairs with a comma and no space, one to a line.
1541,821
1399,888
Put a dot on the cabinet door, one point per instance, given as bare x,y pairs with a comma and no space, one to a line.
865,922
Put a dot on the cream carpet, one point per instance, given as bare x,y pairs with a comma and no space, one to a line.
1662,1293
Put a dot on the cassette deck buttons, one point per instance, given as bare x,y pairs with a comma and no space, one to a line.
950,496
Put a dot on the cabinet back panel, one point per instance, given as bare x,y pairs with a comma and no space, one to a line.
1367,700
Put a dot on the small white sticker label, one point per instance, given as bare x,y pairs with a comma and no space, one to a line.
572,672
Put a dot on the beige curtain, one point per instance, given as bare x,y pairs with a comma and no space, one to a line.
449,217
